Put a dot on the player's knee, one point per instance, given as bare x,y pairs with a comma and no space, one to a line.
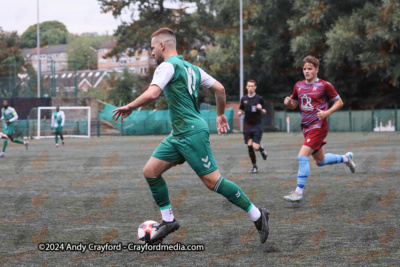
148,172
209,185
256,147
251,149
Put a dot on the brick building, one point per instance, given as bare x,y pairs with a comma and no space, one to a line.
57,53
138,63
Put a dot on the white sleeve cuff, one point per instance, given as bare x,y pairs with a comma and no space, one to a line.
333,99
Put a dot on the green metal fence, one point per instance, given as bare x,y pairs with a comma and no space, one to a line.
149,122
27,128
347,121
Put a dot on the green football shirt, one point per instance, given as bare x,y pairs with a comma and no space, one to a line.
8,114
181,83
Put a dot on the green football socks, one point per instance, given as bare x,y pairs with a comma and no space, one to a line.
5,145
233,193
16,140
159,191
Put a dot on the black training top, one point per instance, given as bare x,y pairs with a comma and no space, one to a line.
249,105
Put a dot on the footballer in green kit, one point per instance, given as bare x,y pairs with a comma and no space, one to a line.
189,140
57,124
8,117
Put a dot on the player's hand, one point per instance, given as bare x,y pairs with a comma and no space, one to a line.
124,112
240,113
222,124
322,114
287,101
259,107
7,122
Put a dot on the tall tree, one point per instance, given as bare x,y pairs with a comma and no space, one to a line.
83,51
148,16
266,47
11,63
51,33
127,87
356,42
363,55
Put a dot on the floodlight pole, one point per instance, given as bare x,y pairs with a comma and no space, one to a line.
38,50
241,60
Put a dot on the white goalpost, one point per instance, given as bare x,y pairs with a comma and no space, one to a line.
74,116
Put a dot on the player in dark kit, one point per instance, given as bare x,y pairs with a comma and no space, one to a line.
253,107
313,95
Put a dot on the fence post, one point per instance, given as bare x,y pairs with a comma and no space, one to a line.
372,119
77,127
284,119
98,128
27,129
396,126
76,78
122,128
350,122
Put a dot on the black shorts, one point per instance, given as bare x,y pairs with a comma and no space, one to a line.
253,132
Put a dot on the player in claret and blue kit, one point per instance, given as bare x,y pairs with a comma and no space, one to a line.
189,141
313,95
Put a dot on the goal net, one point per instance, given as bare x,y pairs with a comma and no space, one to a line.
77,122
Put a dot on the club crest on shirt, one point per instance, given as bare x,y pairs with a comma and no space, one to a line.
245,101
315,88
306,103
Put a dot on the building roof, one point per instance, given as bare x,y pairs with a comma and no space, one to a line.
108,45
55,49
85,78
48,49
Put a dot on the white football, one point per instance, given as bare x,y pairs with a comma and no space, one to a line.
146,231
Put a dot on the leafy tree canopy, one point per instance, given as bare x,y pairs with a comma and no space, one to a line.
51,33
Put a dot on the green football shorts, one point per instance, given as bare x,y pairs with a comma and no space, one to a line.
195,149
10,129
58,129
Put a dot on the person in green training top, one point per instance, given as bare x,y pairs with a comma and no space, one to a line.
57,123
8,116
189,139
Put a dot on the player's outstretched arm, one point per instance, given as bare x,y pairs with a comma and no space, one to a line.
338,104
220,99
149,95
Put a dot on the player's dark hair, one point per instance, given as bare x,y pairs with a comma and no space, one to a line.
312,60
252,81
165,30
